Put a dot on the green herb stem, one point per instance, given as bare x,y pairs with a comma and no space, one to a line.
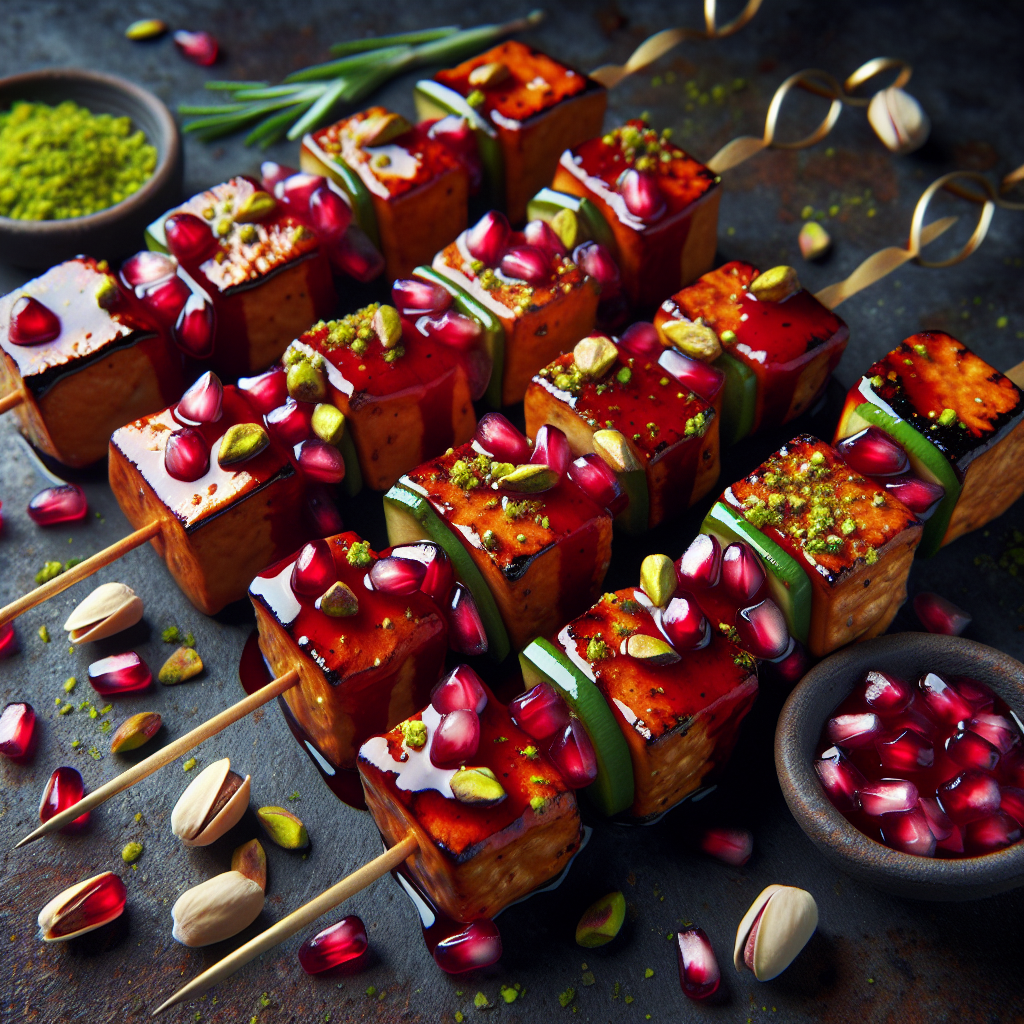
402,38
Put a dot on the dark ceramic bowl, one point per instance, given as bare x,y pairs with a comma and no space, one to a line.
907,655
118,230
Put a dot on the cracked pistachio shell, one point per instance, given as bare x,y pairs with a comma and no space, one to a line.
531,478
595,355
196,803
898,120
63,904
650,650
328,423
250,860
613,447
216,909
283,827
693,339
488,75
380,129
477,786
566,225
601,921
387,325
135,731
183,664
110,608
775,285
814,240
339,601
306,382
658,578
242,441
255,207
787,923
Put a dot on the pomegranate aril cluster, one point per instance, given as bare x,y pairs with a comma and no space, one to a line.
933,768
544,716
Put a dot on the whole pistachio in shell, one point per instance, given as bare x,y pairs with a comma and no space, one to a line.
216,909
135,731
110,608
774,930
898,120
214,802
83,907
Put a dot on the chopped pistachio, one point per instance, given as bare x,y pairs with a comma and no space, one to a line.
359,554
131,853
415,734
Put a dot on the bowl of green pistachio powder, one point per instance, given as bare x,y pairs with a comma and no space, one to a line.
87,160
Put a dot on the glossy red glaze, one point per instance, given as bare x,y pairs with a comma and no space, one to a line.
17,730
573,755
186,455
329,213
199,47
147,267
189,237
455,134
64,788
267,390
701,563
476,945
196,327
118,674
32,323
322,512
487,239
63,503
597,479
699,975
336,945
540,712
456,739
291,423
394,575
551,449
871,452
461,689
731,846
202,402
500,439
101,901
314,570
414,298
938,615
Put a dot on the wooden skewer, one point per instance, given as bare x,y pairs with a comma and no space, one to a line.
79,572
173,750
8,402
295,921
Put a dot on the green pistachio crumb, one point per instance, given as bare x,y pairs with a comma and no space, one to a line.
624,376
566,997
359,554
131,853
44,634
489,540
480,1001
530,753
871,556
476,98
415,734
70,683
171,635
597,649
947,418
847,526
509,994
189,764
649,973
95,754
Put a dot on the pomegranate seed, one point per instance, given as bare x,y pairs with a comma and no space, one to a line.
999,731
8,640
439,578
978,694
324,518
460,690
314,569
454,132
1012,803
398,576
840,778
742,572
685,625
272,172
941,702
922,497
320,461
354,254
763,631
146,268
329,213
476,945
496,435
166,299
853,731
597,262
912,718
336,945
487,239
701,563
456,738
702,379
969,750
64,789
574,756
954,843
120,673
98,903
452,329
938,821
909,833
905,752
729,845
297,190
414,298
17,730
202,402
292,422
551,449
189,237
597,480
641,339
872,452
526,263
641,194
267,391
990,834
479,366
32,323
698,969
195,327
793,665
938,615
540,712
186,455
64,503
538,234
969,796
886,694
199,47
466,633
1011,767
888,796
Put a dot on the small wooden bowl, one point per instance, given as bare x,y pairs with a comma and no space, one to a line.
116,231
906,655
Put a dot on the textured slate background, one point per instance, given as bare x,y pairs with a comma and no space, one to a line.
874,958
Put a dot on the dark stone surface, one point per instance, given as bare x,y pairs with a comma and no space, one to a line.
875,957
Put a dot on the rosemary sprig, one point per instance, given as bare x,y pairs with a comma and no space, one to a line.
307,97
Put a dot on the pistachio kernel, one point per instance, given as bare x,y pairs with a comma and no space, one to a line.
306,382
283,827
387,325
250,860
339,601
328,423
131,852
488,75
107,292
650,650
613,447
242,441
255,207
566,225
135,731
658,578
775,285
529,479
415,734
380,129
595,355
182,665
693,339
477,786
601,921
147,28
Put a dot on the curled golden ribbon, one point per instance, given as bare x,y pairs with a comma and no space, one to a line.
609,75
821,83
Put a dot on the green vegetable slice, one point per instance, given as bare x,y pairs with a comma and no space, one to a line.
410,518
547,203
155,239
612,790
789,584
739,399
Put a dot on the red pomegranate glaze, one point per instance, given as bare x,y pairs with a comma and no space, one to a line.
336,945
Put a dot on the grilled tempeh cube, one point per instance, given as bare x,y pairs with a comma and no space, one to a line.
110,362
667,243
960,421
474,859
359,674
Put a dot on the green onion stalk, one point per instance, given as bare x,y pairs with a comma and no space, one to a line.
307,97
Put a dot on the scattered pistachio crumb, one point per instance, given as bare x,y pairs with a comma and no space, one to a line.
70,683
294,795
480,1001
509,994
566,997
649,973
131,853
44,634
189,764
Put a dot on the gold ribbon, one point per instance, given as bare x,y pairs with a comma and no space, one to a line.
821,83
609,75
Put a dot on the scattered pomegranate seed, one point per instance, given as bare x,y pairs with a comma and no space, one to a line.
64,789
970,796
888,796
938,615
597,480
195,327
292,422
452,329
853,731
101,902
685,625
336,945
32,323
551,449
166,298
120,673
886,694
17,730
488,238
540,712
324,517
466,633
907,751
320,461
763,631
8,640
872,452
909,833
840,778
477,945
922,497
642,195
598,263
701,563
199,47
414,298
186,455
941,702
272,172
399,576
729,845
701,378
354,254
698,969
641,339
202,402
990,834
189,237
538,234
461,689
147,267
496,435
314,570
329,213
455,739
64,503
526,263
573,755
742,572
